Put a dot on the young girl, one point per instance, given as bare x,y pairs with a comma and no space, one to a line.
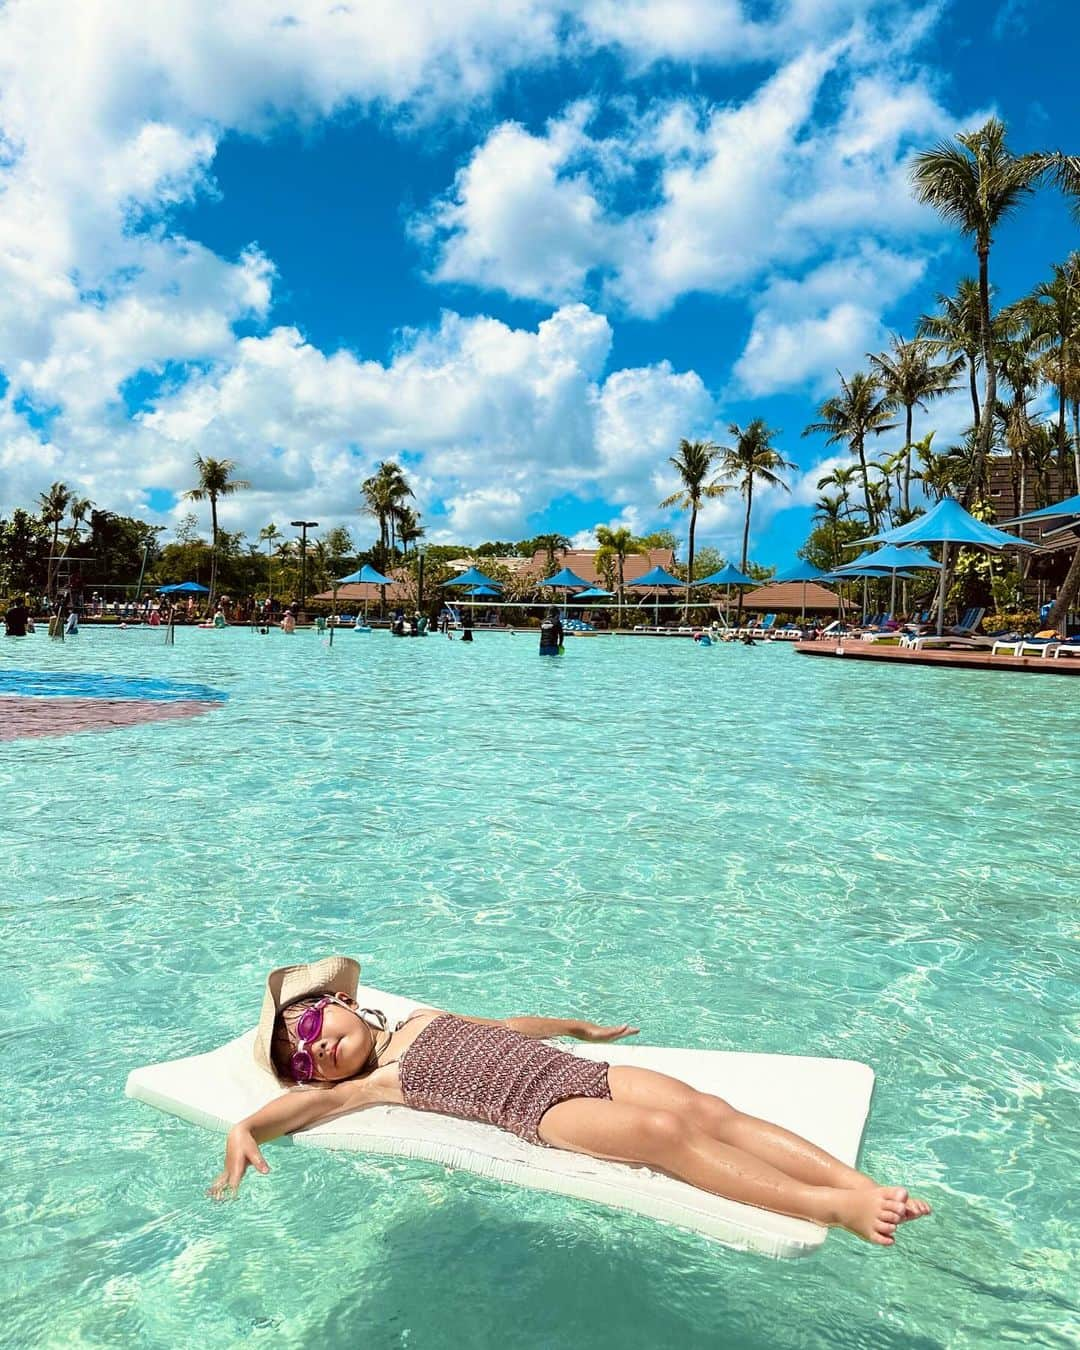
313,1035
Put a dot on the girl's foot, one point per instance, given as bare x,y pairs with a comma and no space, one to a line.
913,1209
870,1213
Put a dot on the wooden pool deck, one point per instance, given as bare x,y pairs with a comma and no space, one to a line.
853,649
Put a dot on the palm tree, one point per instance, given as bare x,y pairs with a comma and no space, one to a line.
215,482
409,529
975,184
552,544
956,332
911,380
270,533
80,508
54,505
841,477
694,462
384,498
1052,312
751,458
828,513
615,547
862,409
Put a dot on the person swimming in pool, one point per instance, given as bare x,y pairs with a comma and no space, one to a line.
312,1034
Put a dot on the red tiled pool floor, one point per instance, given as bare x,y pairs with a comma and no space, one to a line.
31,717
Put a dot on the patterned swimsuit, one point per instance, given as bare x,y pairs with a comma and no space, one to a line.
490,1073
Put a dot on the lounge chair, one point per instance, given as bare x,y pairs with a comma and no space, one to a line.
961,634
1066,647
1039,645
764,628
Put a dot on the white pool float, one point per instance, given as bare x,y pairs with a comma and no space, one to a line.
826,1100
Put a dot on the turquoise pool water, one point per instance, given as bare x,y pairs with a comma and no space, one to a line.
736,848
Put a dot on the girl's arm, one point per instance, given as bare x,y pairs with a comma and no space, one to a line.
540,1028
285,1114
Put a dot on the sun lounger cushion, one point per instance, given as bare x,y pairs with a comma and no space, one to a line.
827,1100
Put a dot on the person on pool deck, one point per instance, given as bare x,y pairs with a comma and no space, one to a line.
16,618
312,1034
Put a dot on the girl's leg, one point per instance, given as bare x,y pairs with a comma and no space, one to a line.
788,1152
664,1140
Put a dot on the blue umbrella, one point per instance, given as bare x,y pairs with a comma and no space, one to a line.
657,579
893,556
727,576
566,580
1070,507
593,593
473,577
484,590
891,560
800,571
948,523
366,576
184,587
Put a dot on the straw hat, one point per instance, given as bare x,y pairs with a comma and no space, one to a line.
331,975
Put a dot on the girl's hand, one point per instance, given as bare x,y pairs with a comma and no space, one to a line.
241,1152
590,1031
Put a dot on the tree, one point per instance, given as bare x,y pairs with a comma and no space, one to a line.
80,508
841,477
751,458
615,547
862,409
24,553
384,496
974,184
117,544
826,542
911,380
956,332
268,534
1052,313
54,505
215,482
551,544
409,529
340,549
694,462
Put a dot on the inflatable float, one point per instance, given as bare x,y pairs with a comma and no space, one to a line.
827,1100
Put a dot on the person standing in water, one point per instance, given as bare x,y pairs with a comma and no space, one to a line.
551,634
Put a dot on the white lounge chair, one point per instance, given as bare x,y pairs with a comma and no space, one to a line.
962,634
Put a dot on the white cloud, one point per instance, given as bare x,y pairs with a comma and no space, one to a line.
783,177
806,329
111,113
491,421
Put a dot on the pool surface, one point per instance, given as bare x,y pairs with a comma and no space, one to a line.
732,847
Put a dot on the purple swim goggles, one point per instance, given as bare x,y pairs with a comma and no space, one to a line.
309,1028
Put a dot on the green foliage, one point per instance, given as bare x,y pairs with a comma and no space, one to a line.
500,548
24,551
825,545
661,539
116,545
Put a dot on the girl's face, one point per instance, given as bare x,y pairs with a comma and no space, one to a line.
344,1044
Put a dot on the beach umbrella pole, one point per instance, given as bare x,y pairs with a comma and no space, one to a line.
941,588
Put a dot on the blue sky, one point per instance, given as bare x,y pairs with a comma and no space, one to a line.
523,250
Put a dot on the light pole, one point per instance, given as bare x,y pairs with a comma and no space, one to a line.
303,526
420,550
